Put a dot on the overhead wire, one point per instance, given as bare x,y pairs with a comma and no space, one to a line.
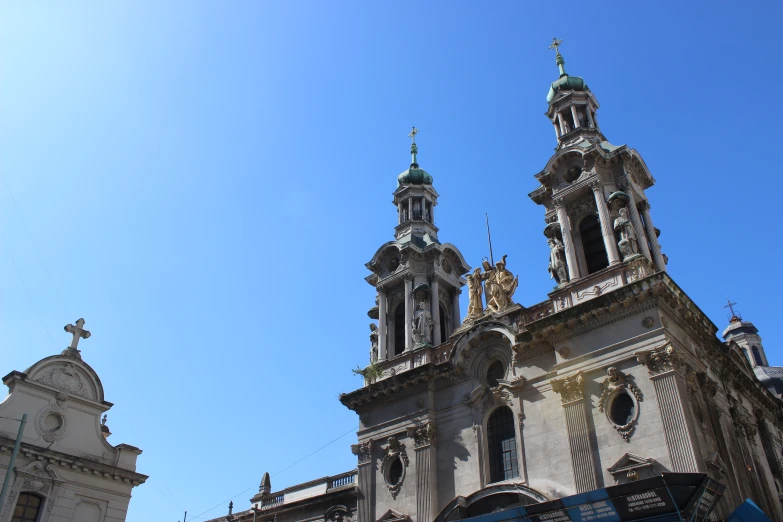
35,245
352,430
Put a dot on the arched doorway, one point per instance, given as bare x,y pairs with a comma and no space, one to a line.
489,500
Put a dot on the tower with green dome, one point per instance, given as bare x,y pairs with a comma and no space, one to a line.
415,273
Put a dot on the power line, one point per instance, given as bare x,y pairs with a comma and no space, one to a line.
29,235
29,295
276,473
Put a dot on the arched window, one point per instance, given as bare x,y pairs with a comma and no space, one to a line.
27,508
593,244
502,445
757,355
399,329
495,372
444,327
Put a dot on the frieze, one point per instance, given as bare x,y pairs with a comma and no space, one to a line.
570,388
660,360
423,435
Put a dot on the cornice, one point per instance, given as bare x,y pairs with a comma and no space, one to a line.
73,463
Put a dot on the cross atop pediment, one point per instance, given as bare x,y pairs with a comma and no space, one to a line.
78,332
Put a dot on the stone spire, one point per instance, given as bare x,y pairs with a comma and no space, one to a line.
266,484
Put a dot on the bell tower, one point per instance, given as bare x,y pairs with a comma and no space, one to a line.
598,222
418,279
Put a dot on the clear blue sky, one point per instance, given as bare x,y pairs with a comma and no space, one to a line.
204,182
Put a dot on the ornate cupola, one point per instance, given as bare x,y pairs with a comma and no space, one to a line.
417,278
572,107
598,223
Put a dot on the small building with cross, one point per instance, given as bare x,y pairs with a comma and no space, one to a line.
66,469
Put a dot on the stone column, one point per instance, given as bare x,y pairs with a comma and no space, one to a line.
660,264
637,224
575,115
366,504
424,439
562,123
590,119
457,318
399,213
572,396
664,366
557,131
606,222
435,307
382,320
410,208
568,240
408,313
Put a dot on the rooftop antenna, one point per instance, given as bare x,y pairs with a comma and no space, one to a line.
489,239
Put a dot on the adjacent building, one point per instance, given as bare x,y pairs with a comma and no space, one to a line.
66,470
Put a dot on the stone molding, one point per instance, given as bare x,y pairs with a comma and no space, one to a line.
570,388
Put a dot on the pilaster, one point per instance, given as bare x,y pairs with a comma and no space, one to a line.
425,438
366,504
606,223
664,367
572,396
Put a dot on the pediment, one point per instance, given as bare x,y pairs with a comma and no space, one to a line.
69,376
392,515
632,467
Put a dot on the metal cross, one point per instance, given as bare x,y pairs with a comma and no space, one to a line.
78,332
555,44
731,306
412,135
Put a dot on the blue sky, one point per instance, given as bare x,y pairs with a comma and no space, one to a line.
204,181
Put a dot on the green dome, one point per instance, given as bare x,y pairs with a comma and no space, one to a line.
414,176
566,83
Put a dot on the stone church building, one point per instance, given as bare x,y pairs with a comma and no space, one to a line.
65,468
615,376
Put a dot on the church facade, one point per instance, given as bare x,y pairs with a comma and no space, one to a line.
615,377
65,469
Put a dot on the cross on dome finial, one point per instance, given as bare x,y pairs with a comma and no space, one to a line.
555,44
734,314
559,60
414,147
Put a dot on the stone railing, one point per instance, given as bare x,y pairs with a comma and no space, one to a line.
412,359
310,489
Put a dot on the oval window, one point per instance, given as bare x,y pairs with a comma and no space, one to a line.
622,410
395,472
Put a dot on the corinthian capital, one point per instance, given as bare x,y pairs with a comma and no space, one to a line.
643,205
660,360
596,184
558,202
363,451
424,434
570,388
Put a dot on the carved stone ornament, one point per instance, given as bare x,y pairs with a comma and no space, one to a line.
338,513
570,388
615,383
363,451
67,378
744,422
648,322
659,360
423,435
52,422
38,477
393,451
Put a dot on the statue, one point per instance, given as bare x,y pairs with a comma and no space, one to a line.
475,306
422,325
404,215
373,343
500,285
557,266
627,243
